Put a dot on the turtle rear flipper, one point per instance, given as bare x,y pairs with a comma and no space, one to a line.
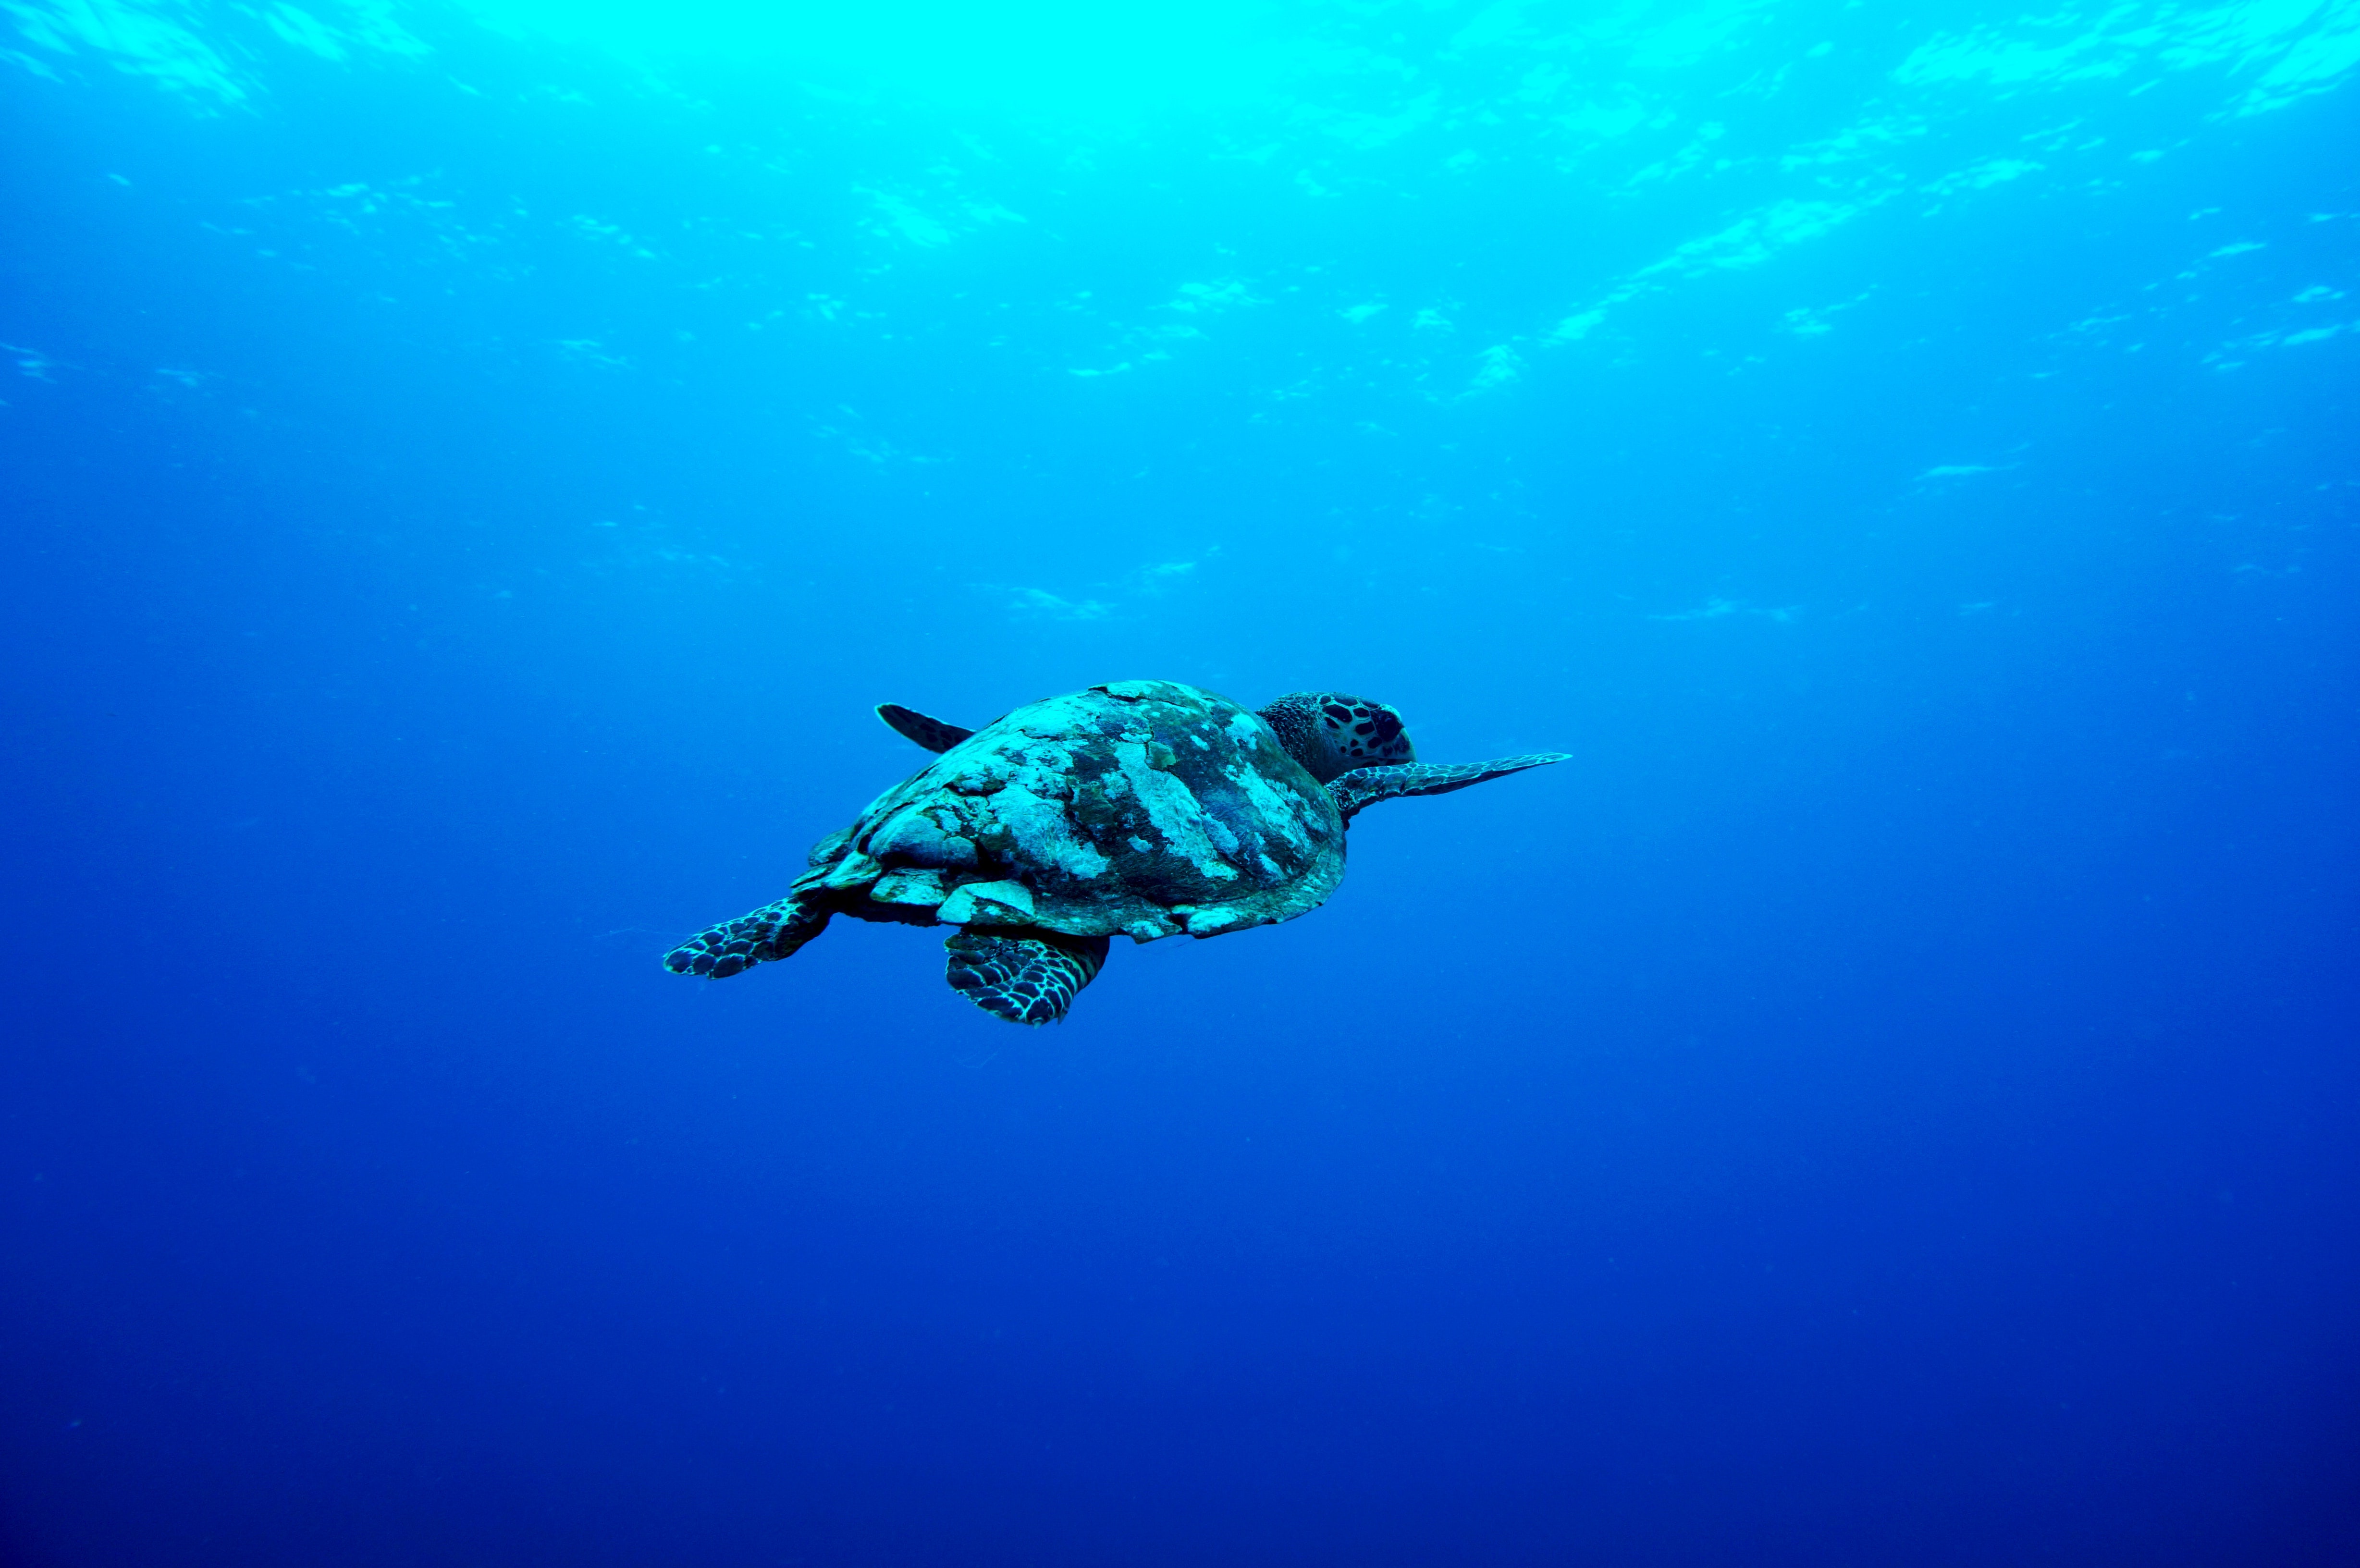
1364,787
1024,977
911,724
774,930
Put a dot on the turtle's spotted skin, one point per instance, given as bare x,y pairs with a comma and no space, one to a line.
1144,809
1332,734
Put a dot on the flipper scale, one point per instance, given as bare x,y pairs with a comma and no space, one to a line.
1026,977
772,931
1364,787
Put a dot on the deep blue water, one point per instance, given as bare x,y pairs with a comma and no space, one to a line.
465,479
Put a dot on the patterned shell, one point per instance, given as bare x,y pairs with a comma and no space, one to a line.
1143,808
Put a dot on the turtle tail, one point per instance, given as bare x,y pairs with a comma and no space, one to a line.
1024,977
774,930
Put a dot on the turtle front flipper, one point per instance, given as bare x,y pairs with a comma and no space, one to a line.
774,930
1024,977
911,724
1364,787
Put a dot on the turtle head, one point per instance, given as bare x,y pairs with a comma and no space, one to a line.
1331,733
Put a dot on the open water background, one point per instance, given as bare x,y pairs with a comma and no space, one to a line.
466,474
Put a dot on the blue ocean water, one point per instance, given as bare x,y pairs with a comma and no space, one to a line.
467,474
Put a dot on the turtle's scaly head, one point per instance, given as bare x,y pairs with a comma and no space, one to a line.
1331,733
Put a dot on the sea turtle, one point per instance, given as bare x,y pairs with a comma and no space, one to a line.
1139,808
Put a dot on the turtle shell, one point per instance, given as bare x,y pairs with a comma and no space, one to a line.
1144,807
